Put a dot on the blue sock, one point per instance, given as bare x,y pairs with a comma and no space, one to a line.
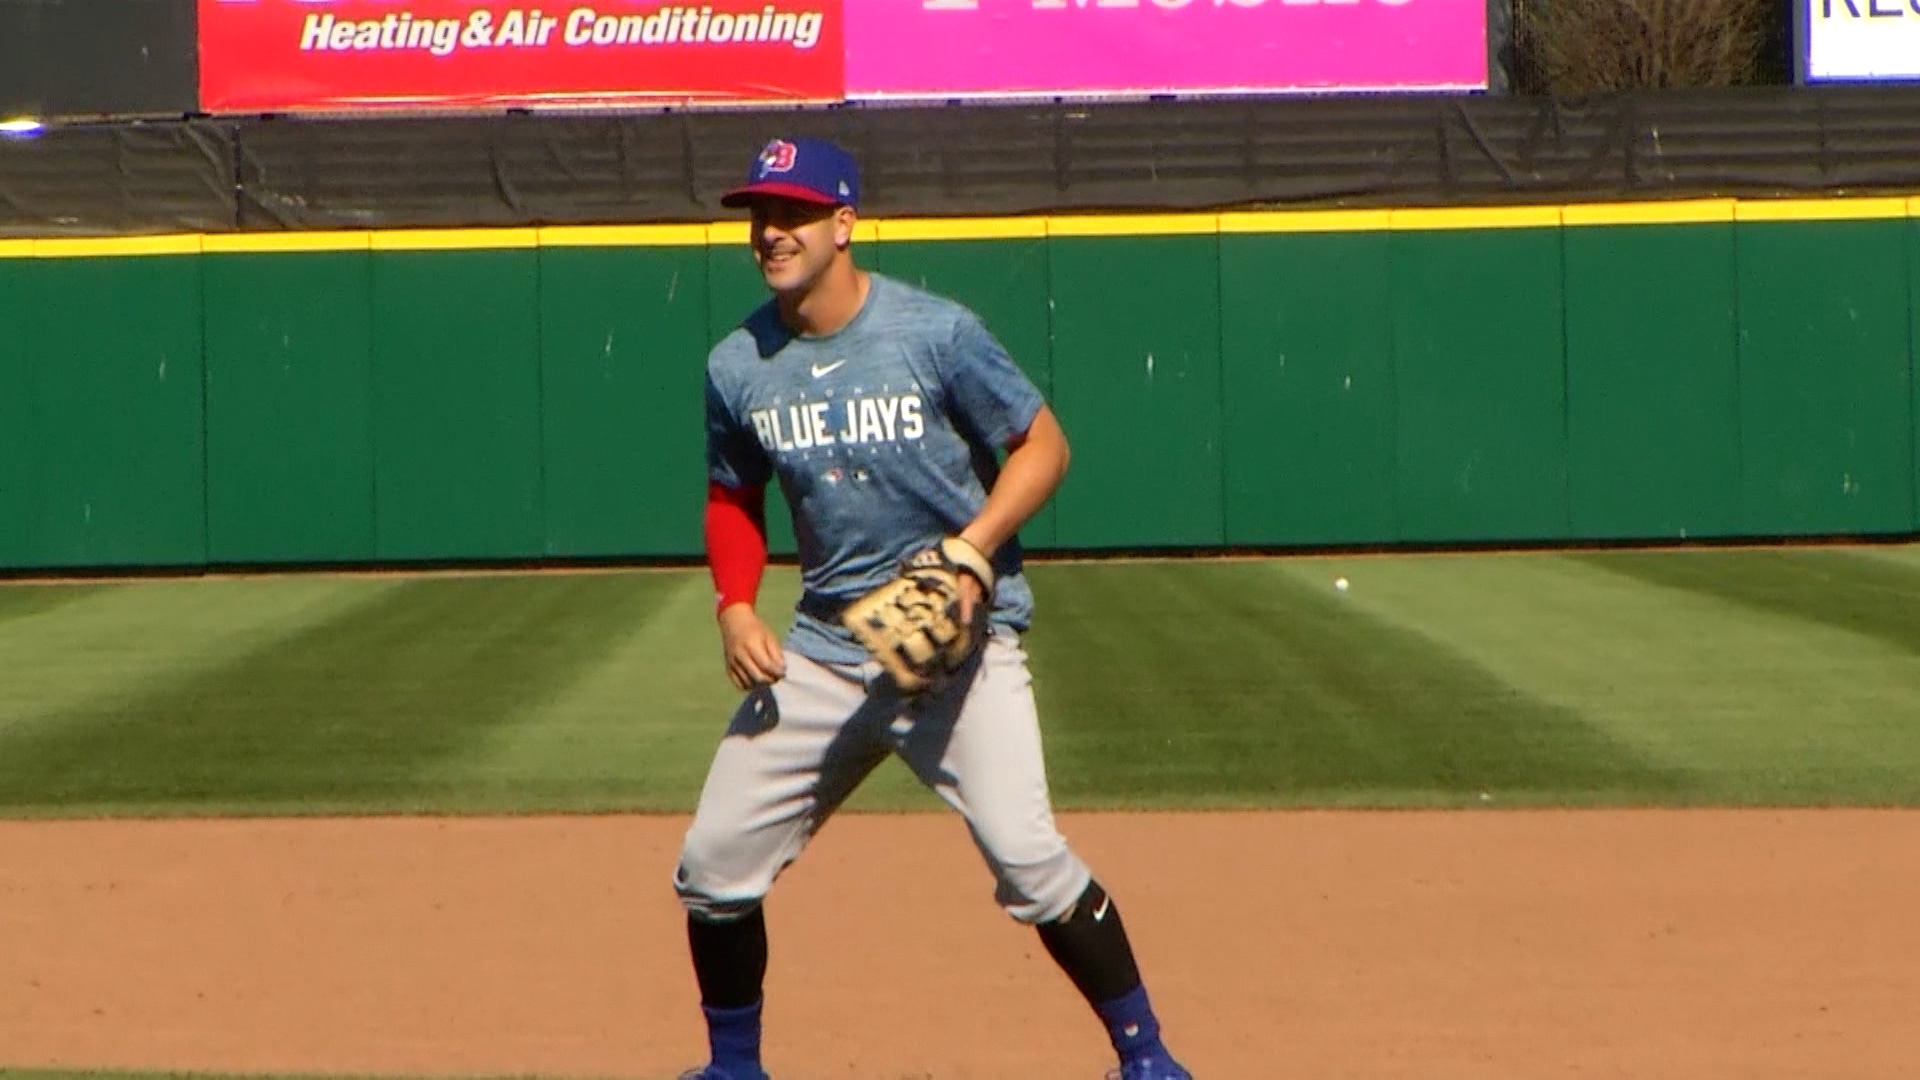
1132,1026
734,1037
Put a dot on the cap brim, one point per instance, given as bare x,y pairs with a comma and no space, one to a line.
741,196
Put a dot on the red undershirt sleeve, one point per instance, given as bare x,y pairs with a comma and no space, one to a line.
736,532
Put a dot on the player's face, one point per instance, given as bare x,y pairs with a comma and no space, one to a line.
794,242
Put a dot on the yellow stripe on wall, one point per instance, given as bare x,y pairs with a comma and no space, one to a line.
1474,217
115,246
986,228
248,243
1299,221
1821,209
623,236
882,230
1133,225
453,239
1681,212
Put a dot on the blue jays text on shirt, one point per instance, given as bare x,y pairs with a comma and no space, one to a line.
858,420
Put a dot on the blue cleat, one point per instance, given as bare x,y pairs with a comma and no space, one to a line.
1151,1068
714,1073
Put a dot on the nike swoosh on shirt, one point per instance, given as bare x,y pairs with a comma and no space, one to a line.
829,369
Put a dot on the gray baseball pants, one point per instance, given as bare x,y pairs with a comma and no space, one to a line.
795,751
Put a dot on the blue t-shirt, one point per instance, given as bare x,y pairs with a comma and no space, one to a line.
883,437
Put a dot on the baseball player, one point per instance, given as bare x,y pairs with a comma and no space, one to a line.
881,410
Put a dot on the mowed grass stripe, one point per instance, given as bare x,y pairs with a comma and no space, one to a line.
112,643
1900,554
1753,707
22,601
1877,598
636,731
623,732
346,713
1226,683
633,731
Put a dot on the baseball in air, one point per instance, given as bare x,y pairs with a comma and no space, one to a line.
1340,583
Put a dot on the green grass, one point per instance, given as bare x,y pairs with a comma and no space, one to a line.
20,603
361,706
1228,683
1839,590
1668,678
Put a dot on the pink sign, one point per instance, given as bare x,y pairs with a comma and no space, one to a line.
1026,48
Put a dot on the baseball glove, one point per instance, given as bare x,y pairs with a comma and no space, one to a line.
911,625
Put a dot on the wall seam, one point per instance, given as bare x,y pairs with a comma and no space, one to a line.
542,503
1742,511
1220,380
206,409
1566,387
1913,421
373,399
1397,529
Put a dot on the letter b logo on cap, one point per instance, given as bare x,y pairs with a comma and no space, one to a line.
778,157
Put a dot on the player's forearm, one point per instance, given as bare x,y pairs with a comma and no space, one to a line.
736,541
1031,475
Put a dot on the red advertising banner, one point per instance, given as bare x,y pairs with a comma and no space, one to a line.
341,55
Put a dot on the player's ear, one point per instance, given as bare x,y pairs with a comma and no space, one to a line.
844,218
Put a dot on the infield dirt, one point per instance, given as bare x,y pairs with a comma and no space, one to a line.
1435,945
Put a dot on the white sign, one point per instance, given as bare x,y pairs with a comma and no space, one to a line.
1863,39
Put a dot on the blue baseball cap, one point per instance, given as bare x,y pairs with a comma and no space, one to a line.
810,170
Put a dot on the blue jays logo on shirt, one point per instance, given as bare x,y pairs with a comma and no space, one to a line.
856,421
778,157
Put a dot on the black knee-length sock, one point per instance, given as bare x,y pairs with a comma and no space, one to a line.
729,959
730,962
1091,946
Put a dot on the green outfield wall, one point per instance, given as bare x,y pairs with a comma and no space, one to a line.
1639,371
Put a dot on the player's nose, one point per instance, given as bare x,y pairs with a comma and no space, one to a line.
771,236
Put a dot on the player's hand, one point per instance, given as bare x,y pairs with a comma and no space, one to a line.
971,594
972,591
753,653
